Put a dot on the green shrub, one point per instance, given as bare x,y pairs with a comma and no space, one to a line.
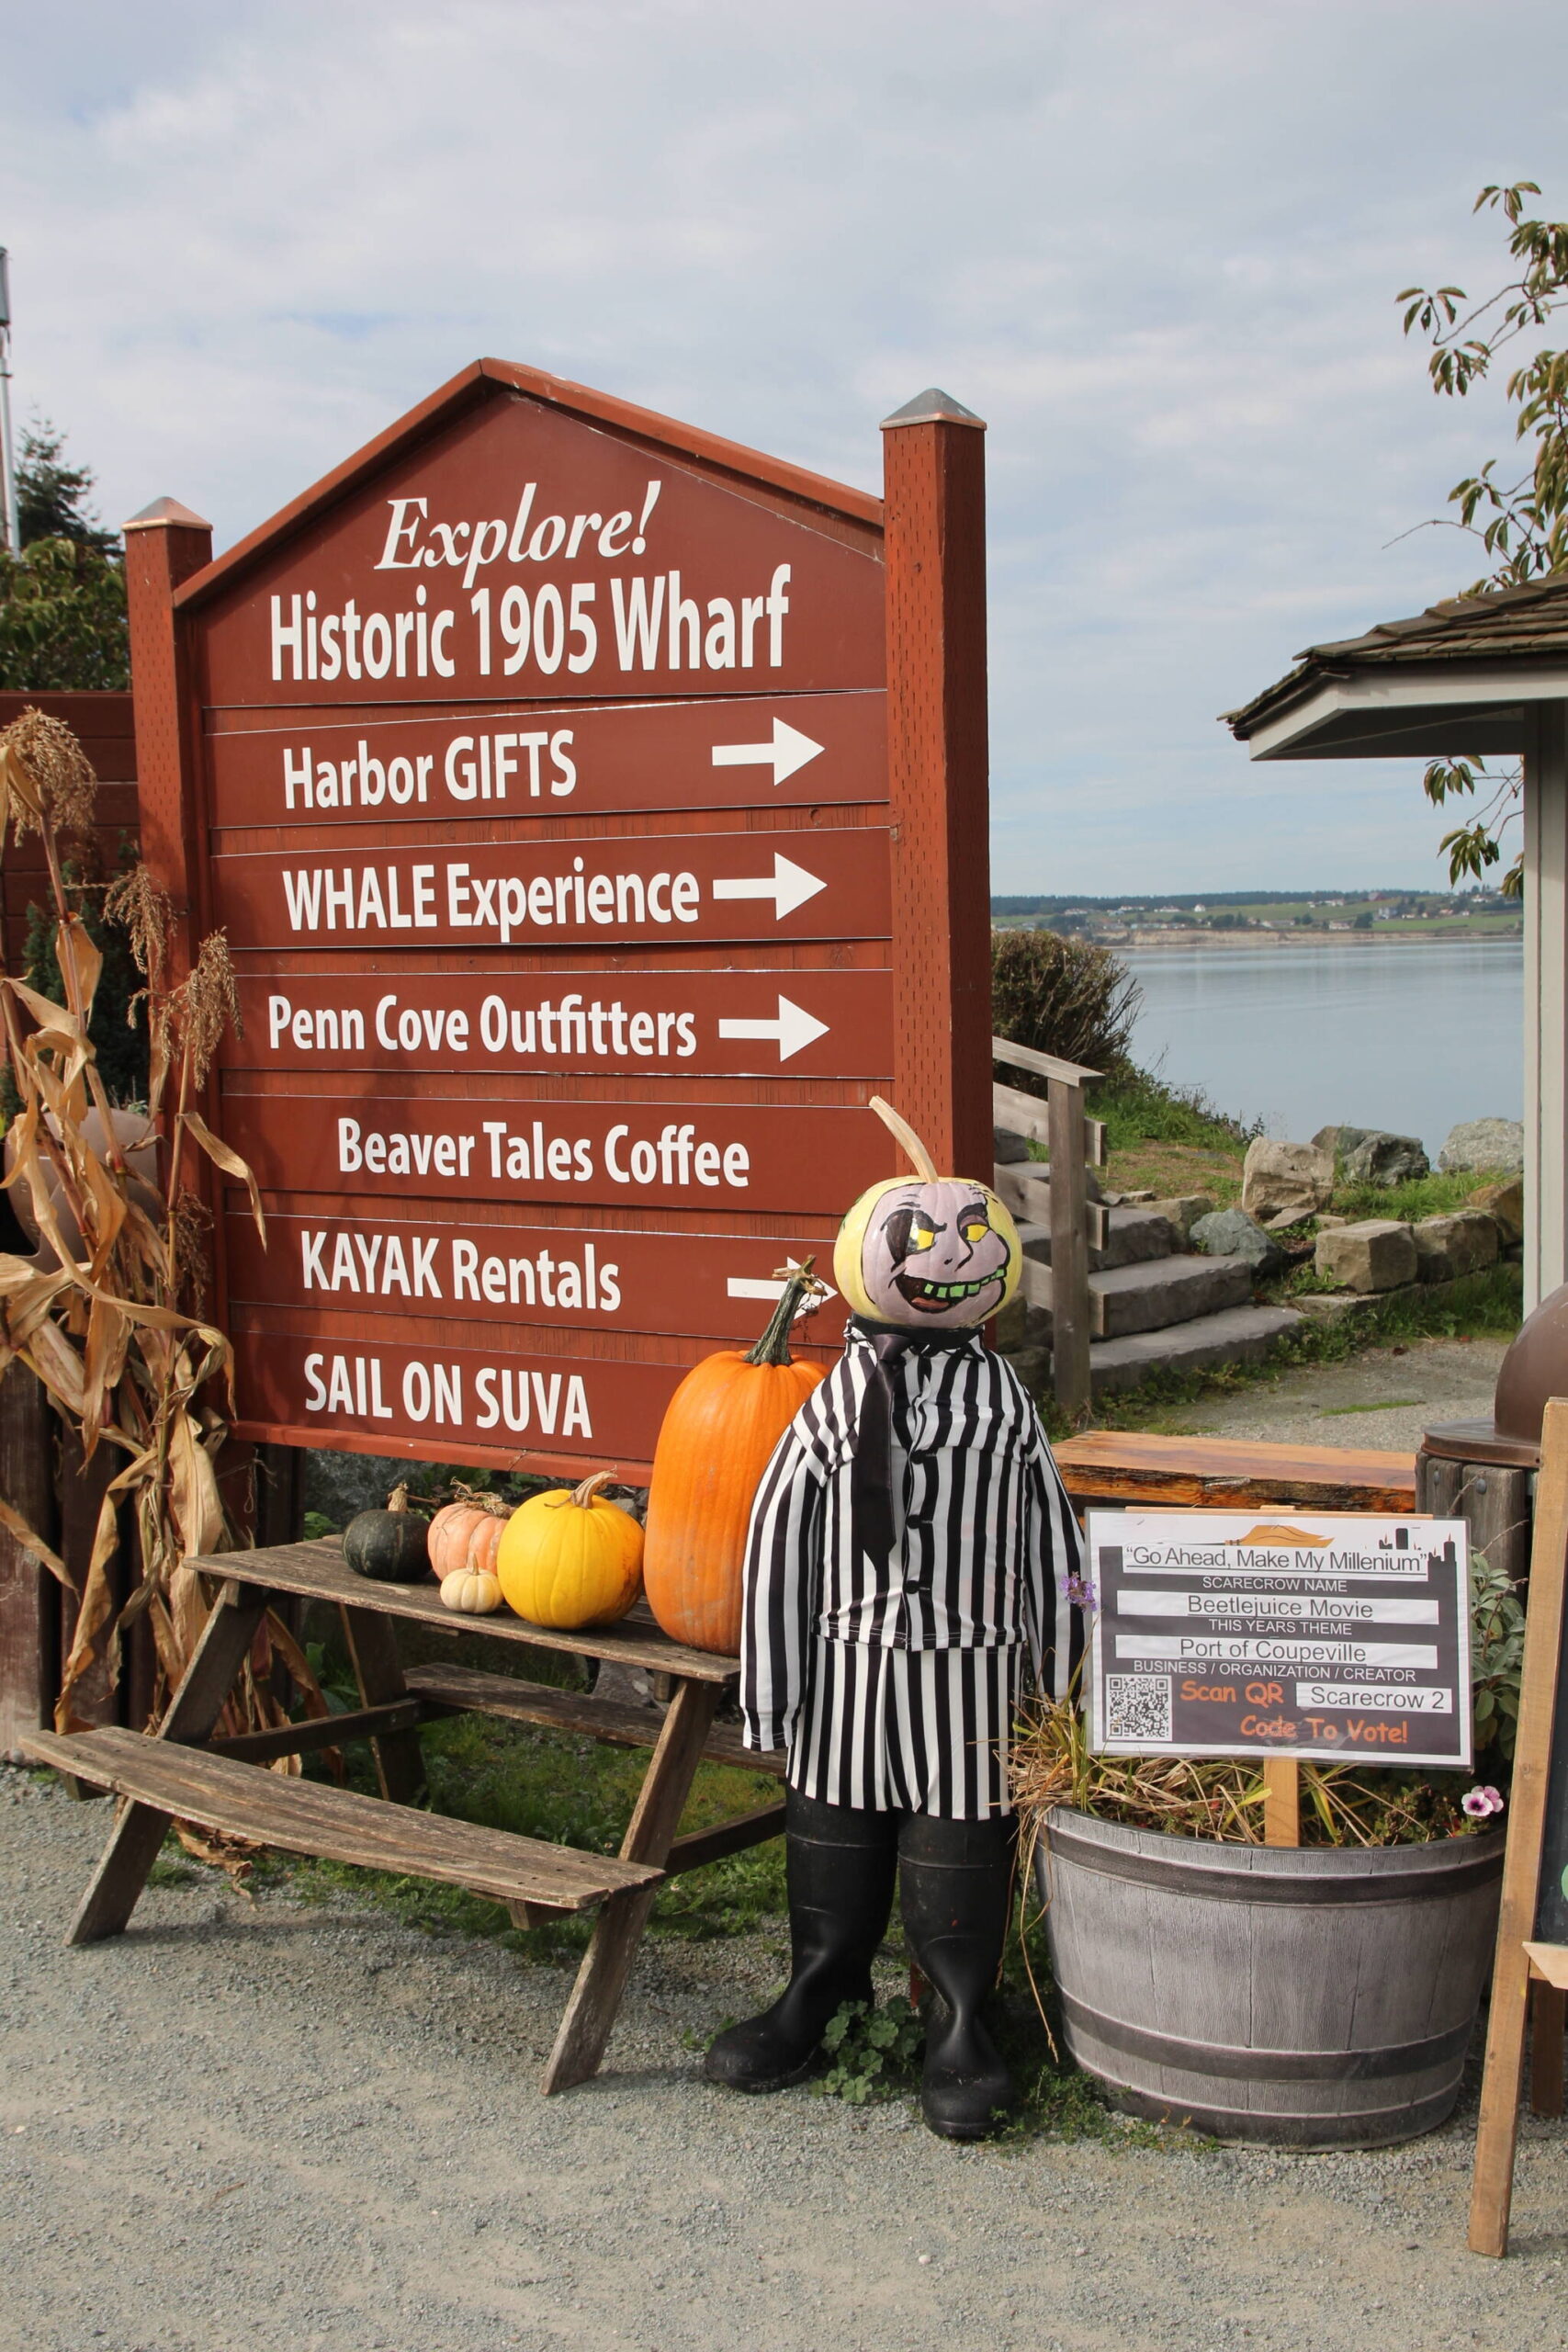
1060,996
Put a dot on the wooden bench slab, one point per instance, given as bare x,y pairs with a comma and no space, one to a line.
317,1571
464,1689
311,1817
1231,1474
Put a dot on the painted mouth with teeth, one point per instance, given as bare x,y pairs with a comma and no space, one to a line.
931,1298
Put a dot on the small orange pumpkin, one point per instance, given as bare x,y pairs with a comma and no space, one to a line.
722,1425
467,1533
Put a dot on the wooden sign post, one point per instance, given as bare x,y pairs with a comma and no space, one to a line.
597,814
1532,1927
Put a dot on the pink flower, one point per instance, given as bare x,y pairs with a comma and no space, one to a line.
1481,1802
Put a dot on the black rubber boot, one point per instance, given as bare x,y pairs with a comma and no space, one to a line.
840,1863
954,1880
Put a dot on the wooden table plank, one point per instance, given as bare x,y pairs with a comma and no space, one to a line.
317,1571
308,1817
1232,1474
320,1731
115,1887
700,1847
463,1689
601,1980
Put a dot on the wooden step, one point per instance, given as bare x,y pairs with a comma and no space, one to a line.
1235,1334
464,1689
1131,1299
311,1817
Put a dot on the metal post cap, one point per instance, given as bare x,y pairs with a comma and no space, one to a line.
933,406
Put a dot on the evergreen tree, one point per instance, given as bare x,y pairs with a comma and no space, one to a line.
51,496
62,626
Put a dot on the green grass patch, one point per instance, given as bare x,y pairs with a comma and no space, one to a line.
1136,1107
1422,1196
1382,1404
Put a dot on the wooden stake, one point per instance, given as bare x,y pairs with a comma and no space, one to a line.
1282,1800
1492,2188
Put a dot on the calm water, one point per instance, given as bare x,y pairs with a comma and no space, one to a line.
1412,1037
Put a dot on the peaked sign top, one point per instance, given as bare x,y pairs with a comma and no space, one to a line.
517,533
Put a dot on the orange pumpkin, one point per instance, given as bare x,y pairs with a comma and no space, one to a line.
723,1423
466,1534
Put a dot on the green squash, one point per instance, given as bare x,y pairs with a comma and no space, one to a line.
392,1546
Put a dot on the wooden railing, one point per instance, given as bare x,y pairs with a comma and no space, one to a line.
1075,1144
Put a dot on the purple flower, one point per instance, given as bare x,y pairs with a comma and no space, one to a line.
1481,1802
1078,1590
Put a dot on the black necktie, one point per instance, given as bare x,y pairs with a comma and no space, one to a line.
871,1479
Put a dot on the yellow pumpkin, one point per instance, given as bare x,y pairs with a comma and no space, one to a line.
929,1253
571,1559
474,1592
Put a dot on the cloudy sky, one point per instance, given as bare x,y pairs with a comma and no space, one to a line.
1154,245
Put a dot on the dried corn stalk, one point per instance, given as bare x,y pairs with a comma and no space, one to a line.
108,1315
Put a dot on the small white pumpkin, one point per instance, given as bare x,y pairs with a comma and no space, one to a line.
474,1591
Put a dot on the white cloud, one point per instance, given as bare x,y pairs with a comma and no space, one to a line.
1156,247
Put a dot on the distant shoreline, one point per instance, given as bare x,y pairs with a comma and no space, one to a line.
1385,935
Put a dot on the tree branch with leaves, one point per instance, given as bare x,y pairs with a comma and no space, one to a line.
1521,525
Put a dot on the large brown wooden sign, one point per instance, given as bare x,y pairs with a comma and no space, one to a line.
596,811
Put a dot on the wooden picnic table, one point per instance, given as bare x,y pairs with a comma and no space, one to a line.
183,1772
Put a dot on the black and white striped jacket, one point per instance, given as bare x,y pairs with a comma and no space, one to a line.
985,1538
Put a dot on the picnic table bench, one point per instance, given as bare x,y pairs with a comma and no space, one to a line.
183,1772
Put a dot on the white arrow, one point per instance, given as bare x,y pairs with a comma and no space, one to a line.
788,886
793,1029
788,751
753,1286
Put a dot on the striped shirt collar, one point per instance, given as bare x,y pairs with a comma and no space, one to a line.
861,1331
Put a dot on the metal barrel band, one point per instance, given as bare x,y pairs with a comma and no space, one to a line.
1265,2065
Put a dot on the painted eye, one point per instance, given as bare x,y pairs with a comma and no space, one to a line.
922,1234
974,1228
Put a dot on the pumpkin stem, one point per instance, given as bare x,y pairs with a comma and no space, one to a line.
774,1345
399,1498
584,1495
924,1165
481,1498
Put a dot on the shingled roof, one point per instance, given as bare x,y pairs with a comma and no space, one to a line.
1468,663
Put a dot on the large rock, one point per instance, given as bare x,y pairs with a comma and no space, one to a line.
1182,1212
1377,1254
1504,1205
1383,1159
1337,1141
1231,1233
1008,1148
1491,1147
1283,1183
1446,1247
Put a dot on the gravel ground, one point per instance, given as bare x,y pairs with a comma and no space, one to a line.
265,2128
1382,1399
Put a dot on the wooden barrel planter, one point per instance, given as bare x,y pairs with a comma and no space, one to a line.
1318,1996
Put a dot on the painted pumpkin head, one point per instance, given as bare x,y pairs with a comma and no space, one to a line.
932,1252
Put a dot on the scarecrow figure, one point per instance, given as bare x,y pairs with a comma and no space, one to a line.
910,1551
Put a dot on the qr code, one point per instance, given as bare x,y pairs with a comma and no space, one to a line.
1137,1706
